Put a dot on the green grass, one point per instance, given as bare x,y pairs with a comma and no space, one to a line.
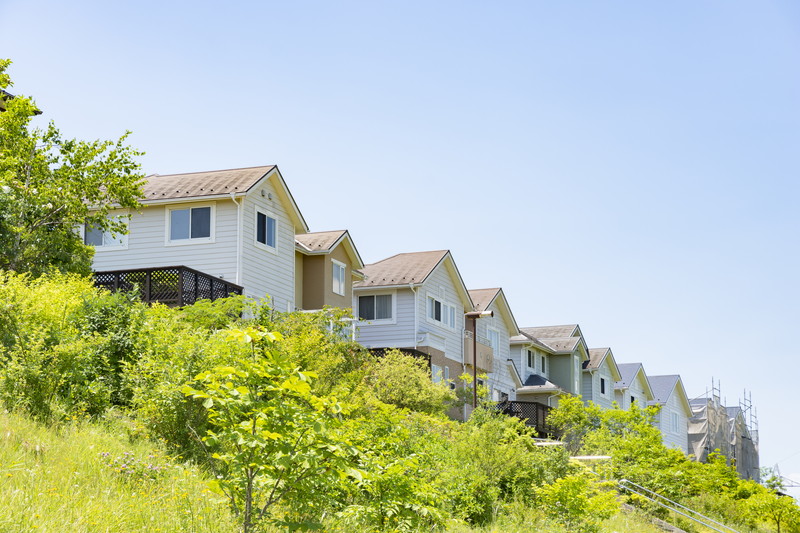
83,476
86,477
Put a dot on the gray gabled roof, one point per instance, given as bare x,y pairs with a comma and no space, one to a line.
597,356
524,338
536,383
663,387
627,372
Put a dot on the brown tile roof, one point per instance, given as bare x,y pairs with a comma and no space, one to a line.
401,269
320,241
561,344
483,297
200,184
596,356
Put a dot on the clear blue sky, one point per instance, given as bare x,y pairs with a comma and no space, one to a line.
629,166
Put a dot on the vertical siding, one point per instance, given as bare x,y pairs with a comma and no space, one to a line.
148,247
400,333
264,273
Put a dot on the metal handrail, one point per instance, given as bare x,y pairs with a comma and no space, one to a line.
675,507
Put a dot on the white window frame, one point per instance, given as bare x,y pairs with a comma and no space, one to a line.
530,357
674,422
448,312
259,244
185,242
543,362
343,267
377,321
122,238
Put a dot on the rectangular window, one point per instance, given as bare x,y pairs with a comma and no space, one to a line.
190,223
266,227
674,422
339,270
103,239
494,340
531,360
441,312
375,307
602,385
544,365
633,400
436,373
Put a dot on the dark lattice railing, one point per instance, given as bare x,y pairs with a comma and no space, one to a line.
176,285
533,413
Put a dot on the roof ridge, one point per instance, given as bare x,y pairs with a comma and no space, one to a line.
156,175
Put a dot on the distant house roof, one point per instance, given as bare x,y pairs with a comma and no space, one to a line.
411,268
524,338
628,373
597,356
666,386
484,298
219,183
324,242
561,344
550,332
536,383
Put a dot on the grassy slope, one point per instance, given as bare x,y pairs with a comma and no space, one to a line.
73,479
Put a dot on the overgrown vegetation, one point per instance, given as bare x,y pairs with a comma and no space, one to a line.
293,426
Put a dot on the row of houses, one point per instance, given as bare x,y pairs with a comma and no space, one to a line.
207,234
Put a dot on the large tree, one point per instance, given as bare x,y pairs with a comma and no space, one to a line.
51,187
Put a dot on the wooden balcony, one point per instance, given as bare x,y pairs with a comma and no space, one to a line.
173,286
485,359
533,413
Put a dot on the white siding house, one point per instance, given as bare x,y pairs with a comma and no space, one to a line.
633,386
498,330
673,417
238,225
415,302
600,373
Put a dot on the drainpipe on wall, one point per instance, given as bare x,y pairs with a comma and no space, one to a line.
238,238
416,314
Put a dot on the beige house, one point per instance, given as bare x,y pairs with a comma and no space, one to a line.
326,265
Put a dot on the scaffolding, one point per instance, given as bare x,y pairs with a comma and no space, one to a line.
731,431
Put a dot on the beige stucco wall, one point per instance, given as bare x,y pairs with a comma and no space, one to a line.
317,275
298,279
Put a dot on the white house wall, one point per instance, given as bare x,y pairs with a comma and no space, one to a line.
500,380
674,438
148,247
397,333
439,284
266,272
590,388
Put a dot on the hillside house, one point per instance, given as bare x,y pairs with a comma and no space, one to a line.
633,386
673,417
600,372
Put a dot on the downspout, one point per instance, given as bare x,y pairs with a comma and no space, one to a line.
416,314
238,238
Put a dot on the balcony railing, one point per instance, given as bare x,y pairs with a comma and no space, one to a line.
485,358
533,413
173,286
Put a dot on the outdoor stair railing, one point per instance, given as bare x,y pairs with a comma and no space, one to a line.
674,506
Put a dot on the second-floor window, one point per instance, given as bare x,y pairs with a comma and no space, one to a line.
339,270
375,307
602,385
494,340
103,240
190,223
544,365
266,230
441,312
531,360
